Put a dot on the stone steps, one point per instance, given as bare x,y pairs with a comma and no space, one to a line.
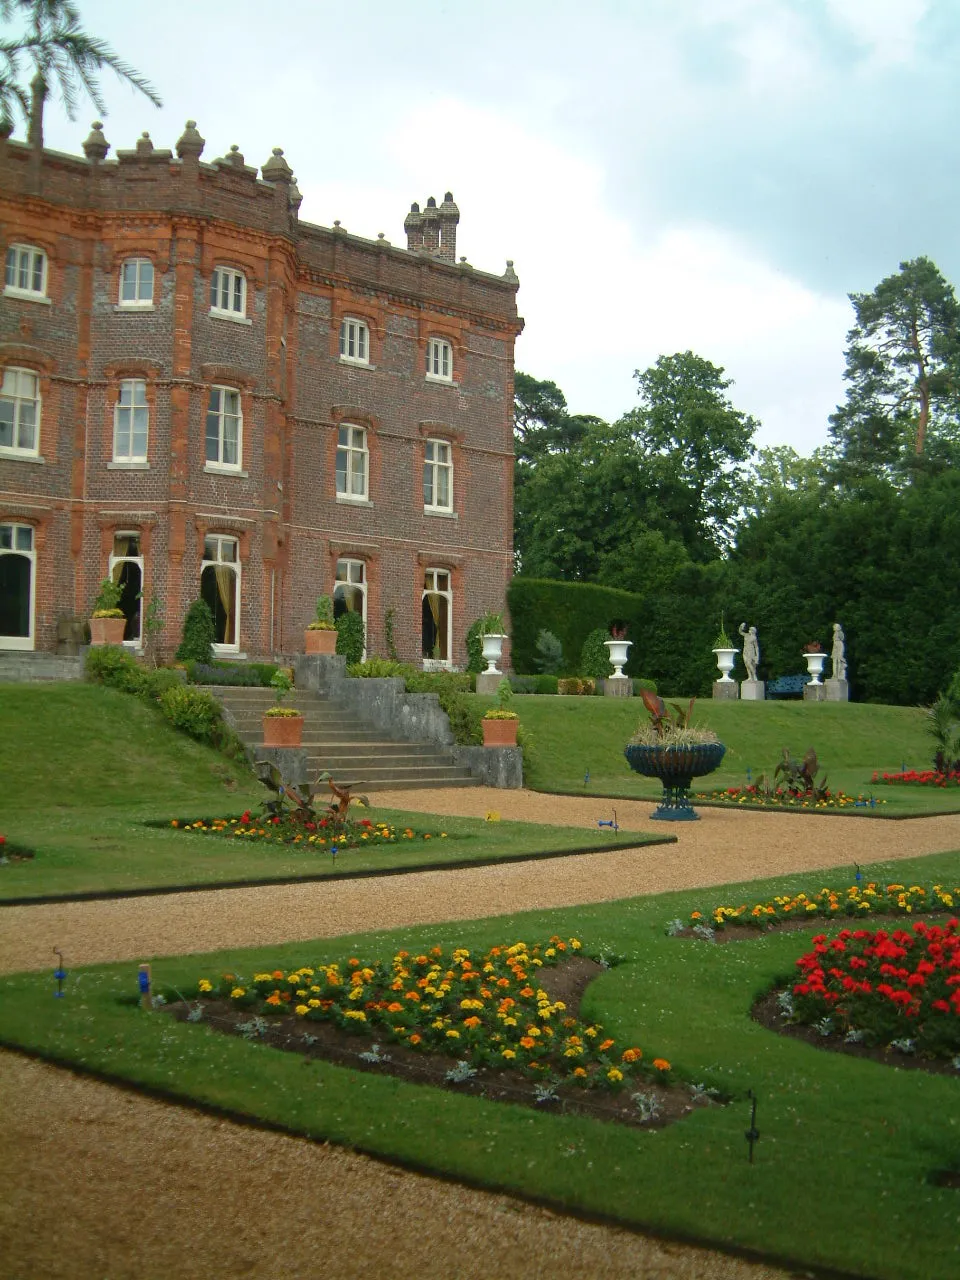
21,666
337,741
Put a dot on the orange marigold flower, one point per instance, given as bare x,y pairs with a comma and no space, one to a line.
605,1044
471,1022
394,1007
412,995
415,1038
631,1055
661,1064
580,1072
527,1042
527,992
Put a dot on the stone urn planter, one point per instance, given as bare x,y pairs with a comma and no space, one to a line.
317,640
726,659
500,732
618,650
815,663
676,767
492,645
107,630
282,731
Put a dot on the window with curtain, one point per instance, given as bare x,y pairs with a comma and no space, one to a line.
437,617
220,587
126,570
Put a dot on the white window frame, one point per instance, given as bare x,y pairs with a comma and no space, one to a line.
437,462
354,340
439,360
16,253
221,540
431,586
356,579
26,642
14,450
142,298
222,415
127,411
352,444
116,562
226,279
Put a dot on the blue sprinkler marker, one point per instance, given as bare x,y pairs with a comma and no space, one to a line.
586,778
609,822
333,852
749,775
59,973
859,874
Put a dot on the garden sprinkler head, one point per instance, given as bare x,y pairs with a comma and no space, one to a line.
749,775
333,852
752,1134
586,778
859,874
59,973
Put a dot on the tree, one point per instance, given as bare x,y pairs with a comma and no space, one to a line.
57,50
686,419
779,468
903,374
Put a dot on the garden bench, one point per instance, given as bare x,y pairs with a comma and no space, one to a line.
786,686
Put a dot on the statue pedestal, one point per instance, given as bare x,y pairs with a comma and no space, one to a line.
726,689
814,693
753,690
837,690
489,683
618,687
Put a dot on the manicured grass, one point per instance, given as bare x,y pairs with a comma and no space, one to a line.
842,1171
84,767
573,736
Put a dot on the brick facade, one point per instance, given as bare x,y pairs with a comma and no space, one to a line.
279,359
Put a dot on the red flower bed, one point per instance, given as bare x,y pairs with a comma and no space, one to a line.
885,986
921,777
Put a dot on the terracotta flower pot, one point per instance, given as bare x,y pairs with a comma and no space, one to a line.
282,731
499,733
318,641
107,630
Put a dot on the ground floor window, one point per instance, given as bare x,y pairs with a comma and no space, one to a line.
220,587
350,592
437,617
126,570
17,586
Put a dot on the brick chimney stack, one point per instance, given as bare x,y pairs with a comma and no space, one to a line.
430,221
449,217
411,225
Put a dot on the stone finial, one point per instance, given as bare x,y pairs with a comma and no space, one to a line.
144,145
276,169
234,157
190,143
96,146
294,196
510,274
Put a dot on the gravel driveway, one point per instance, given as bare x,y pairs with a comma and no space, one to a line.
108,1184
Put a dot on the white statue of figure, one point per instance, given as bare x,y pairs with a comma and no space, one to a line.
751,650
838,653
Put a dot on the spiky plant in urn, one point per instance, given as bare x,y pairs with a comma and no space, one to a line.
670,747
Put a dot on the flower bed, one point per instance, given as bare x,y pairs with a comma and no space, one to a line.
920,777
324,833
500,1016
858,900
900,990
784,798
10,851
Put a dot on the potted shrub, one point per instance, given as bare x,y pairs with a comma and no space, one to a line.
500,723
492,636
814,658
725,653
108,621
670,747
618,647
282,726
321,633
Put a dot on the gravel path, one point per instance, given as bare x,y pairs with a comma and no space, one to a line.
176,1194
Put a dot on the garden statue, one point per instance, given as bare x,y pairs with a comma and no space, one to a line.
838,654
751,650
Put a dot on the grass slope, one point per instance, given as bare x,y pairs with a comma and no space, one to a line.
573,736
842,1171
84,767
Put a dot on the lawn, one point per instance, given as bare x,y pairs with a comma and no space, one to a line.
842,1174
573,737
85,767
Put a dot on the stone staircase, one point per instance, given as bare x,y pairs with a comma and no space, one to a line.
21,666
336,740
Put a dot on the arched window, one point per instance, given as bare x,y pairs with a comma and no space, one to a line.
437,618
220,587
17,586
126,570
350,592
136,283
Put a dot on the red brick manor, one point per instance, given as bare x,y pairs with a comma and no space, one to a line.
203,396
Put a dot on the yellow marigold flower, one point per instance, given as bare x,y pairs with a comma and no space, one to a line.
301,1009
576,944
204,985
357,1014
614,1075
301,991
453,1035
507,1053
314,1004
237,992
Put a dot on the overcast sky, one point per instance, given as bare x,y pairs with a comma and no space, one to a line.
666,174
